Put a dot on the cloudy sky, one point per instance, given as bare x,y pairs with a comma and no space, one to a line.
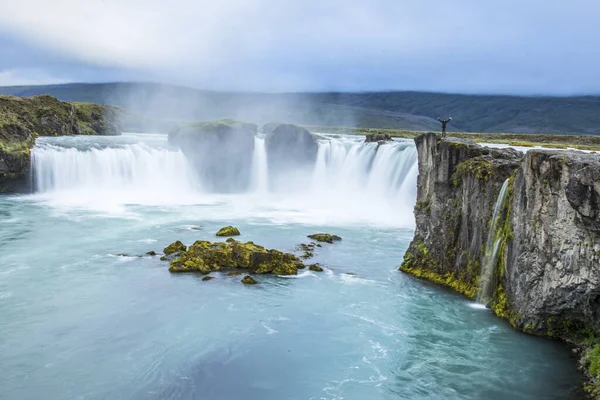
469,46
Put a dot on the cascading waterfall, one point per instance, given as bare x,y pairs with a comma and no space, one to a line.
260,169
350,179
492,246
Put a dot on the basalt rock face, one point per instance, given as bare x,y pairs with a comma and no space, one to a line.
553,262
458,184
24,119
546,279
222,150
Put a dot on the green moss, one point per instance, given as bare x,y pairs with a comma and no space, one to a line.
228,231
478,167
325,237
418,262
174,247
423,205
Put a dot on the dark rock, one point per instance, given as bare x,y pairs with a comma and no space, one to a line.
290,146
207,278
378,137
234,273
248,280
325,237
151,253
222,150
315,267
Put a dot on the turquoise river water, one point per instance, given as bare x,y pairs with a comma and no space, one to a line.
85,316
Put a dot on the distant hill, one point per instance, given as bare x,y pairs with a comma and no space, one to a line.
162,105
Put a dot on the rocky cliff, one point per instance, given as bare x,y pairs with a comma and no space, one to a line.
24,119
546,278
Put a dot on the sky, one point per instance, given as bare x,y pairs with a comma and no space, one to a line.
526,47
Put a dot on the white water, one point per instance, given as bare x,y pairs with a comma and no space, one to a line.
351,181
260,172
491,249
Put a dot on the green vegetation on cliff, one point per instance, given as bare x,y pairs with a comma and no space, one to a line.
22,120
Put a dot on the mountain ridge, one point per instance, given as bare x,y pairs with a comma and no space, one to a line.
389,110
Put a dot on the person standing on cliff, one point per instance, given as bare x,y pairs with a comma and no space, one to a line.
444,123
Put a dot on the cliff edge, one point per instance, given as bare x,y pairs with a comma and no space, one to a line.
22,120
540,239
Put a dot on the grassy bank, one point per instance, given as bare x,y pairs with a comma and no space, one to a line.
586,142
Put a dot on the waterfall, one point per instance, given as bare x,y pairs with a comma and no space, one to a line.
260,169
350,180
492,245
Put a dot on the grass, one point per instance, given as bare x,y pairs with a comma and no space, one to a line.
552,141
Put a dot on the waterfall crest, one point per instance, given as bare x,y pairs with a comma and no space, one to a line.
349,180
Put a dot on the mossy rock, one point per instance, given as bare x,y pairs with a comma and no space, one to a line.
315,267
151,253
228,231
325,237
204,256
234,273
248,280
174,247
207,278
274,262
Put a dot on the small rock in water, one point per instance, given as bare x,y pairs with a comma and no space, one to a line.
151,253
248,280
325,237
228,231
315,267
234,273
207,278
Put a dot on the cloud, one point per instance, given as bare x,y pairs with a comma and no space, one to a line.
471,46
27,77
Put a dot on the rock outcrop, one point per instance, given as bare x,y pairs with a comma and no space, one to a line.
22,120
204,257
222,150
290,145
325,237
546,280
378,137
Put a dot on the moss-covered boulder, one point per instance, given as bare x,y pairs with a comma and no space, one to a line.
325,237
222,150
24,119
151,253
204,257
174,247
248,280
378,137
274,262
228,231
315,267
